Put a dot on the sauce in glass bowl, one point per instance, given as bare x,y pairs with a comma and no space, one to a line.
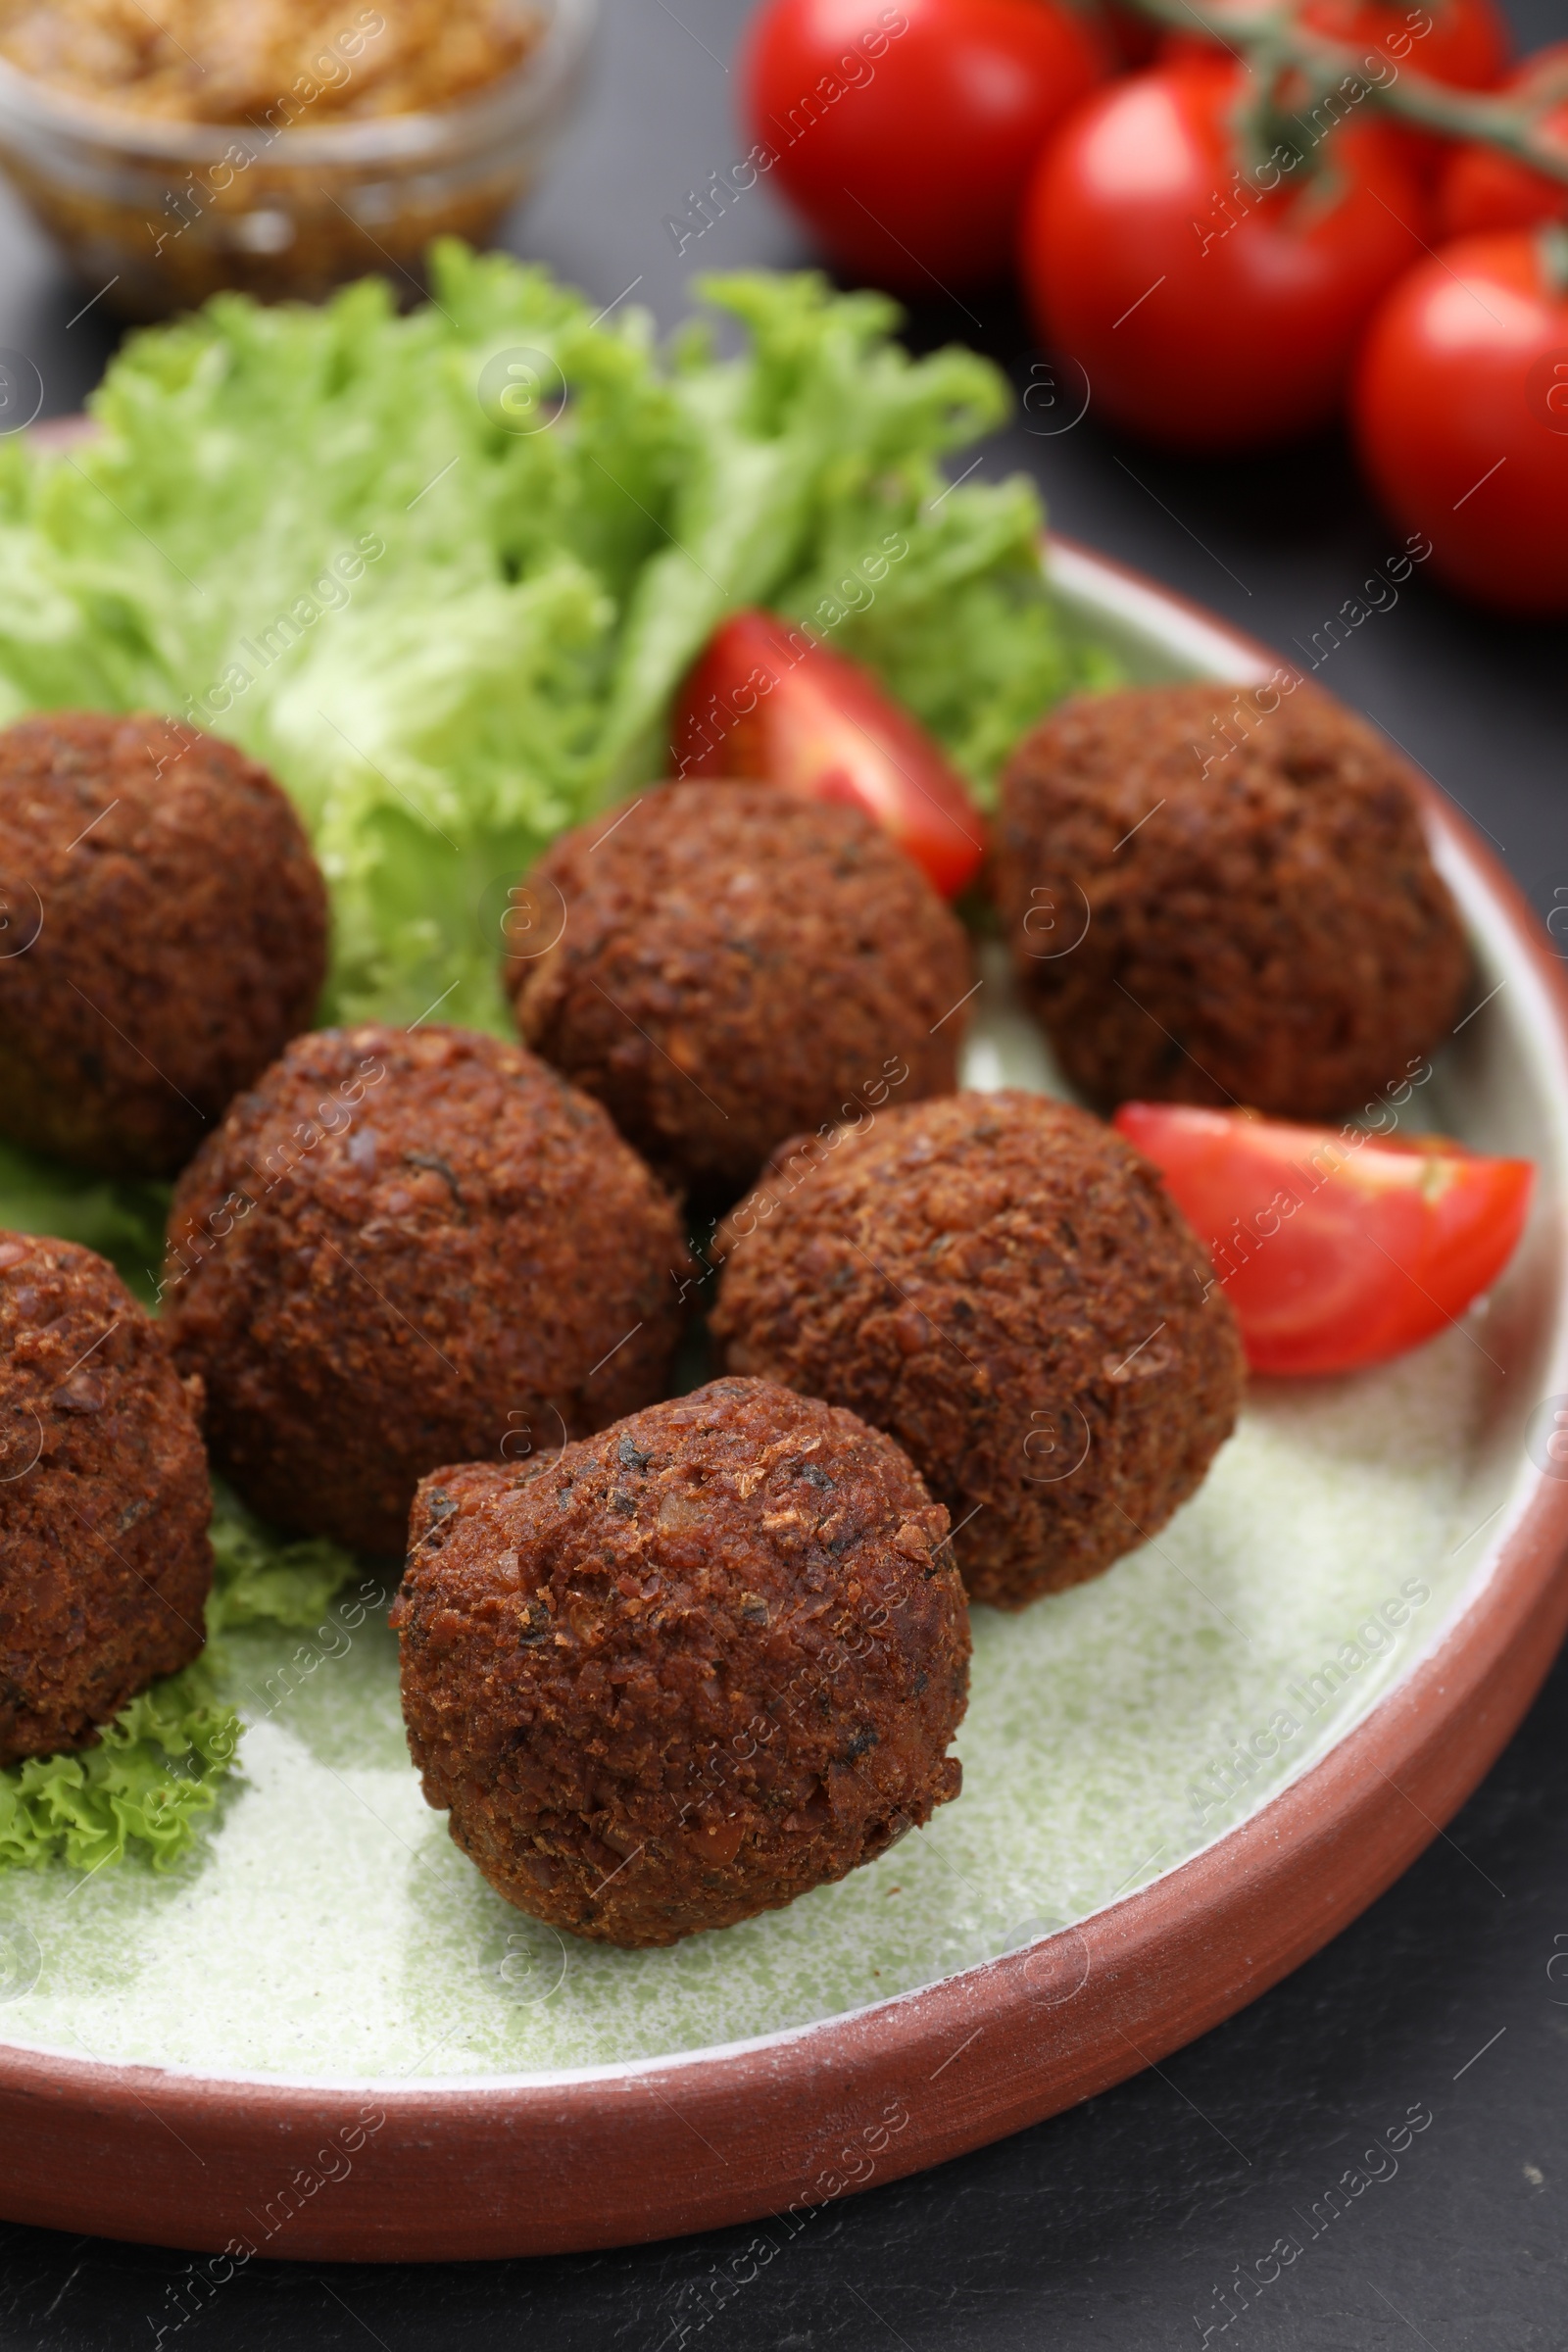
207,61
282,147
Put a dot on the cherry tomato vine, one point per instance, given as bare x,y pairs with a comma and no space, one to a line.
1294,67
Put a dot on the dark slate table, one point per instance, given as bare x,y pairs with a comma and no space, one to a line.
1115,2227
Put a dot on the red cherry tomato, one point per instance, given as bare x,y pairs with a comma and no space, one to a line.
1461,413
905,135
1484,189
1135,39
1212,311
1334,1250
765,700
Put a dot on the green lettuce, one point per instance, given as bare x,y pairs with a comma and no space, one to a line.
260,1577
144,1788
157,1768
317,532
122,1220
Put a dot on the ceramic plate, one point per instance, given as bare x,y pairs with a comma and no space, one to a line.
325,2037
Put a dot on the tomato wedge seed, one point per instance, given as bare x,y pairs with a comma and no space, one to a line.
769,701
1338,1247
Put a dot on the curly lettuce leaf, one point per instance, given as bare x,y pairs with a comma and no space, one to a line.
263,1577
155,1772
307,530
122,1219
156,1769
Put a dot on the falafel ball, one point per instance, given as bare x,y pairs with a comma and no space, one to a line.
698,1664
734,963
408,1246
1264,921
1005,1287
104,1499
169,929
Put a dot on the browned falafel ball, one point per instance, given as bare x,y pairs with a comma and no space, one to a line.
1264,921
104,1499
698,1664
1005,1287
167,935
405,1247
732,963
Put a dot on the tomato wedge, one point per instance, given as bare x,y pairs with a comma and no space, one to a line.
1336,1249
769,701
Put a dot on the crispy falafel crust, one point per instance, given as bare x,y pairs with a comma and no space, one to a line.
1268,928
698,1665
182,938
735,962
104,1500
1005,1287
406,1247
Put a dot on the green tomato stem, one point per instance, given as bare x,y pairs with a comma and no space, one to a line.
1273,42
1552,243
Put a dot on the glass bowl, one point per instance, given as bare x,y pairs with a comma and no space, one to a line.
159,213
